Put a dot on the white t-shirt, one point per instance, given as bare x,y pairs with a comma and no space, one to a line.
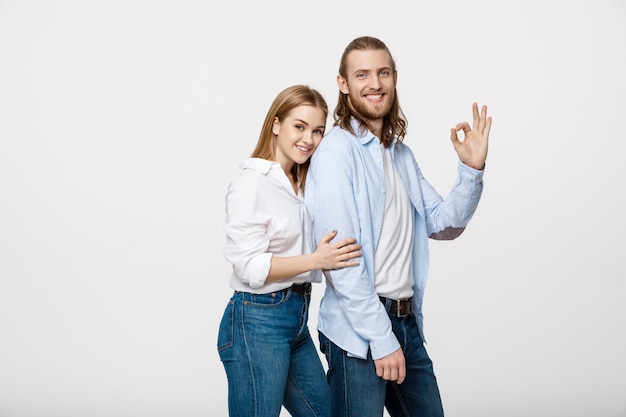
392,260
264,217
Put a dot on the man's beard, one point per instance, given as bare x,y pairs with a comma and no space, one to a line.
369,111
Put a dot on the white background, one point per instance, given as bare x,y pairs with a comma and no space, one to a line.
121,123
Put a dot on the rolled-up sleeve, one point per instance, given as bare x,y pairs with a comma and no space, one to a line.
247,241
447,218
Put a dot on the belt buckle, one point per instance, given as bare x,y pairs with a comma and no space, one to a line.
399,313
399,309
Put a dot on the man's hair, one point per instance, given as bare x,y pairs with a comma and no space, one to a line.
394,122
283,104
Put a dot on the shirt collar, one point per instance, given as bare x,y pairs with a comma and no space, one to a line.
365,136
260,165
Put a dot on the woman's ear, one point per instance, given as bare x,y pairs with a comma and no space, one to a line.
276,126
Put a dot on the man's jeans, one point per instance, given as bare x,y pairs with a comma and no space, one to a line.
356,390
269,357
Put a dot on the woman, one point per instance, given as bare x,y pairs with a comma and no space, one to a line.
263,341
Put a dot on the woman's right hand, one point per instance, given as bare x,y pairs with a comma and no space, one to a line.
340,254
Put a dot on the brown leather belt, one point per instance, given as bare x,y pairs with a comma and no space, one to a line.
304,289
399,308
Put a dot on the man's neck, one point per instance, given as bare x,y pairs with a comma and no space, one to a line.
376,126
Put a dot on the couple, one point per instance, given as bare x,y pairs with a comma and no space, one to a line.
372,212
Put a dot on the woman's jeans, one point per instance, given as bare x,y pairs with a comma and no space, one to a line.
356,390
269,357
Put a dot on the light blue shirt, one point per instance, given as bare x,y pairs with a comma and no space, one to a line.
345,191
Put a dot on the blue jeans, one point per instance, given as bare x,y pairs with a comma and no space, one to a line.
269,357
356,390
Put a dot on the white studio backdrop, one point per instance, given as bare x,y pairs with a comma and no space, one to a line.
122,122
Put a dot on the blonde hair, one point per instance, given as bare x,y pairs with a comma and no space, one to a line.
287,100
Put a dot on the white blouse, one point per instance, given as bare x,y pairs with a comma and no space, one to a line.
264,217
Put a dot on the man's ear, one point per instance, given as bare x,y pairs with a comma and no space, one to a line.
342,84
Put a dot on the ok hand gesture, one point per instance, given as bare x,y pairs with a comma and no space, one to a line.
472,150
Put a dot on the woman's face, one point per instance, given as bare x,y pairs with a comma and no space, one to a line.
298,135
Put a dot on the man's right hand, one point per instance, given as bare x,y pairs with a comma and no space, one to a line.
392,367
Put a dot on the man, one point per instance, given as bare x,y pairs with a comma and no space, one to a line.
364,182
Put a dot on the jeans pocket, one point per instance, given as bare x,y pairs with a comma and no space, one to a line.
225,336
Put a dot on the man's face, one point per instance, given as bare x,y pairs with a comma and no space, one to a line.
370,83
